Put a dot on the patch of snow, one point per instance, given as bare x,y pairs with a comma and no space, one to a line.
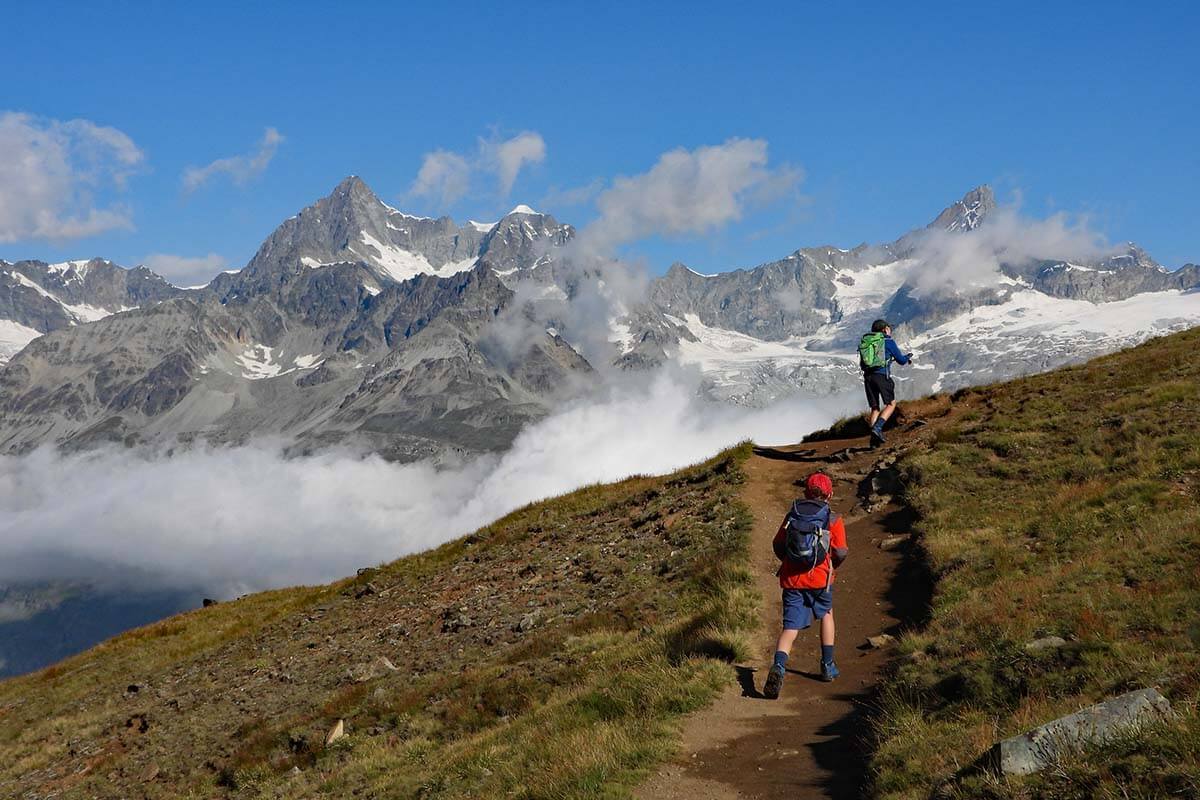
80,266
482,227
400,213
397,263
1031,320
87,313
371,290
700,274
872,287
257,362
308,362
721,351
80,313
13,338
453,267
21,279
620,334
522,209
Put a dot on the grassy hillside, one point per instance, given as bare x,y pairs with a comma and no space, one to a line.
547,655
1065,504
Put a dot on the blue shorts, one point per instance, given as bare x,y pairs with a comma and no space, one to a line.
802,606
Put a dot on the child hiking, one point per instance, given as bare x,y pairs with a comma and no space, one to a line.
810,543
876,352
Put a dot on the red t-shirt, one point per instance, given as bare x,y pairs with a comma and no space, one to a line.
790,576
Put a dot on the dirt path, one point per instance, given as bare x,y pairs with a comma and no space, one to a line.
807,744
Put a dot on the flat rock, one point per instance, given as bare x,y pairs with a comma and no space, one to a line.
880,641
336,732
892,542
1034,750
1045,643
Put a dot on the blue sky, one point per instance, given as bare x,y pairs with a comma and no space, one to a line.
890,111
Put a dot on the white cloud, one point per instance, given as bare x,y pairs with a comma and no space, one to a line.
197,519
447,177
572,196
957,261
240,169
51,172
444,176
687,192
507,158
185,271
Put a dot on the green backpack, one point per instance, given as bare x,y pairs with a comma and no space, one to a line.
872,351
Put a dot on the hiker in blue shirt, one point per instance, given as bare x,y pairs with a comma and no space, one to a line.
876,352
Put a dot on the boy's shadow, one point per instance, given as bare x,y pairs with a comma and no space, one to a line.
745,676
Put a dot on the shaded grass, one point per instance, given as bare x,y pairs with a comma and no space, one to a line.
1062,504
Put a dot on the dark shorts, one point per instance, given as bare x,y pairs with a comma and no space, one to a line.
802,606
880,388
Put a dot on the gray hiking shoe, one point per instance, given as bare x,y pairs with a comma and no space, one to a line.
877,436
829,671
774,682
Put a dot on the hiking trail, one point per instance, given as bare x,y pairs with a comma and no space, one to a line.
809,742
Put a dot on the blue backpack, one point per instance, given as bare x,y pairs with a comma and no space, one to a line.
806,543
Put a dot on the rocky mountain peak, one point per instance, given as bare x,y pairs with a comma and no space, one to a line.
523,239
967,214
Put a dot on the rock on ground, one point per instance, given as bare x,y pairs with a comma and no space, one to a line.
1032,751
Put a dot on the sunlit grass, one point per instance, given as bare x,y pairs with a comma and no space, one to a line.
1063,504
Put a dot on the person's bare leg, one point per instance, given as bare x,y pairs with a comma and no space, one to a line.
874,416
887,411
828,630
787,638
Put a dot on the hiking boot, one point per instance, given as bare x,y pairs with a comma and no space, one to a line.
774,683
829,671
877,436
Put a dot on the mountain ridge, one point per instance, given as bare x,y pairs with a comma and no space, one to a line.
347,286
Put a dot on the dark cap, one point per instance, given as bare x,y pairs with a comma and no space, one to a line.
878,325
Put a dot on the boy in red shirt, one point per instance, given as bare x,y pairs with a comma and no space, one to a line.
807,577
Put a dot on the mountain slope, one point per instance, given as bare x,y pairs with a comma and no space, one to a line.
477,669
36,297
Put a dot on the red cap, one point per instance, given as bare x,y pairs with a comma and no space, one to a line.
818,484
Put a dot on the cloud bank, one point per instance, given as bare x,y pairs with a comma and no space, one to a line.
446,177
240,169
956,261
227,521
54,173
186,271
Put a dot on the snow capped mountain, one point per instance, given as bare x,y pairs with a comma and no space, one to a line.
36,297
792,325
967,214
353,226
356,323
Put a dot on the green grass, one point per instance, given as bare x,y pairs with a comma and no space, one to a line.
1063,504
643,593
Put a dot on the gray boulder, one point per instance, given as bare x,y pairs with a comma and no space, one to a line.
1036,749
